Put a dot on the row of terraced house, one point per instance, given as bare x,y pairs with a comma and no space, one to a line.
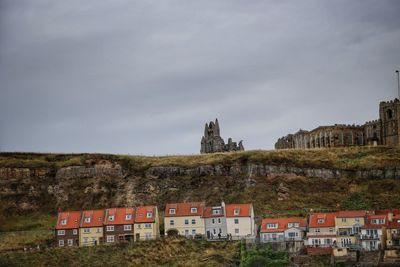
364,230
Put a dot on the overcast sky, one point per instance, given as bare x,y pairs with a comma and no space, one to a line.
143,77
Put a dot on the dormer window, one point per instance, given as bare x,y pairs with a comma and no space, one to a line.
87,220
293,224
128,217
149,214
63,221
193,210
111,218
172,211
236,211
320,221
272,225
216,211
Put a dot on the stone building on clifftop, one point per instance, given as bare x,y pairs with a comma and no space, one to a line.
212,141
384,131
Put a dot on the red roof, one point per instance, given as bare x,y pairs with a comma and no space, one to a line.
208,212
146,214
184,209
322,220
351,213
243,210
96,218
71,219
396,212
369,225
282,224
394,225
119,216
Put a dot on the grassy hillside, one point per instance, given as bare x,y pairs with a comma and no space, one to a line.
335,158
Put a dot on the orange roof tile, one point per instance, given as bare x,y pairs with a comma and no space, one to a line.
145,214
96,218
184,209
115,216
322,220
71,220
282,224
244,210
369,225
208,212
351,213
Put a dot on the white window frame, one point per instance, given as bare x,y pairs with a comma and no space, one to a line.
172,211
75,231
321,221
272,225
63,222
186,221
110,239
111,218
86,230
193,231
219,220
149,214
236,230
61,232
193,221
127,227
216,211
171,222
147,225
236,221
110,228
236,211
61,243
193,210
128,217
87,220
70,242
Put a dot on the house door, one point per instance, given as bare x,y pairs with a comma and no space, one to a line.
208,234
137,237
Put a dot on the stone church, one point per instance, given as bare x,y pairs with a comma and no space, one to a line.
383,131
212,141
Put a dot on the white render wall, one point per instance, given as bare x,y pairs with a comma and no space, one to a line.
179,224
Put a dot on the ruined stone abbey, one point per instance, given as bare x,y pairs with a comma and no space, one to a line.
212,141
383,131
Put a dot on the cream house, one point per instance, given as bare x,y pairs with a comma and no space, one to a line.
321,232
239,220
91,228
348,227
184,219
147,223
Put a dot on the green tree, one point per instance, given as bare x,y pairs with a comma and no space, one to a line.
263,256
356,201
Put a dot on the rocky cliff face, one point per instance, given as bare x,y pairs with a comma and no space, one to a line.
99,182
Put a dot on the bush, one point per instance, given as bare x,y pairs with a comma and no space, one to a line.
263,256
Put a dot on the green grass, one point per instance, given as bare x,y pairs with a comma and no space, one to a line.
35,221
170,252
341,158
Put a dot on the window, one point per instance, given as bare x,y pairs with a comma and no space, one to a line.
171,222
343,219
86,230
236,221
171,211
147,236
60,243
186,232
149,214
193,221
381,221
111,218
128,217
272,225
295,224
75,231
236,231
214,231
61,232
70,242
317,230
216,211
139,226
193,210
110,228
219,220
147,225
87,220
186,221
128,227
85,239
213,221
63,221
98,230
331,229
320,221
236,211
193,231
110,239
357,219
